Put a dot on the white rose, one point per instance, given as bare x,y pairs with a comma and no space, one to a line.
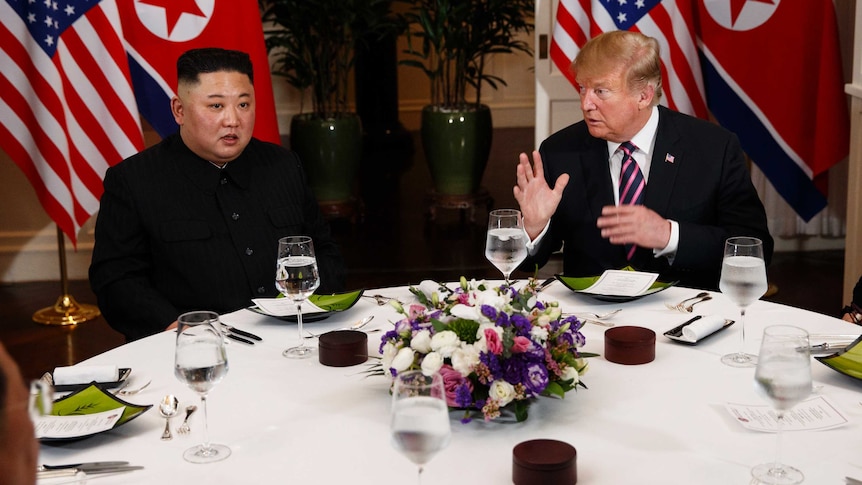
583,365
491,298
432,363
543,320
445,342
502,392
571,373
467,312
465,359
539,334
421,342
403,359
555,312
387,354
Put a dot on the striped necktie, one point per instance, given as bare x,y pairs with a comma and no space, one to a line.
632,184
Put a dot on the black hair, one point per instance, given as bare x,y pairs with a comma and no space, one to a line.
212,59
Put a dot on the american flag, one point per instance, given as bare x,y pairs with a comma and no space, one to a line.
67,109
671,22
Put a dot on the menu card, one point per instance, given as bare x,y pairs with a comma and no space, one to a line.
282,307
815,413
71,426
622,283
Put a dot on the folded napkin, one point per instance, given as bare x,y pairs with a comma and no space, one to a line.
702,327
84,374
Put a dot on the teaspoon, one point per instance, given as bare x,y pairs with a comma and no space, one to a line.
168,409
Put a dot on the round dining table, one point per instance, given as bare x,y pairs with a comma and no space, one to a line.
298,421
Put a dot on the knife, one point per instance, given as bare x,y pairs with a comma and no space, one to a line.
242,332
239,339
71,472
93,465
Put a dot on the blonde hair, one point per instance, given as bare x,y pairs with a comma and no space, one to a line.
637,54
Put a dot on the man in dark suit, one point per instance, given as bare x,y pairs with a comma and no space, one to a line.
193,222
695,187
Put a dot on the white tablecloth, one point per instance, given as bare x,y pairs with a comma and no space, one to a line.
297,421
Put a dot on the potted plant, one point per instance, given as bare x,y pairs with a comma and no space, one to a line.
451,41
313,45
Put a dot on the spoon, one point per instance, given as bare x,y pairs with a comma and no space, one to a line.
184,428
168,409
596,315
355,326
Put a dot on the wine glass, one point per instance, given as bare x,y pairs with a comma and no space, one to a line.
420,418
783,377
506,246
296,277
743,280
201,363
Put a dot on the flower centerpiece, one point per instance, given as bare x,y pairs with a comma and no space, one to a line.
496,348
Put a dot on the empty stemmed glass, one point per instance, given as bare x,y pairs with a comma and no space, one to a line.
506,246
420,418
783,377
296,277
743,281
201,363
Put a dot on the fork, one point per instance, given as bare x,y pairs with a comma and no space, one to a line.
131,392
680,307
185,428
380,299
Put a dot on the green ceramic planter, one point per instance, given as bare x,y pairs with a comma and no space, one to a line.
456,145
331,151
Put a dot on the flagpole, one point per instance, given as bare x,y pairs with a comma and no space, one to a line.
66,311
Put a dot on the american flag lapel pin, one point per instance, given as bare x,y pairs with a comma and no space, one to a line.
669,158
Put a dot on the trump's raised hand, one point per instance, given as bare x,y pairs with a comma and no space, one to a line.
538,201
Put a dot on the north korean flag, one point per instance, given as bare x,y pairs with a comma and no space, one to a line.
157,32
772,74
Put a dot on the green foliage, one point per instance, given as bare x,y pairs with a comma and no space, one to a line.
313,44
450,41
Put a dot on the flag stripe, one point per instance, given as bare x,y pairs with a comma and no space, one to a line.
71,111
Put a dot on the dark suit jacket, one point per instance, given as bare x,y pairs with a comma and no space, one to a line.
176,234
707,189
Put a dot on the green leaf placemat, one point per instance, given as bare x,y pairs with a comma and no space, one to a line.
848,361
90,400
580,283
336,302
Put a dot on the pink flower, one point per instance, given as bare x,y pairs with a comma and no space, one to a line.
493,341
452,380
415,311
520,344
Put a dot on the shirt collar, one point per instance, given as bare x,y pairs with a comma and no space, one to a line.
644,139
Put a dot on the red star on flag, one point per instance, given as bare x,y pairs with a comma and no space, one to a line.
174,9
736,6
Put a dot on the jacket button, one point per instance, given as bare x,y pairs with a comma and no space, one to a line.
234,216
223,180
249,251
261,290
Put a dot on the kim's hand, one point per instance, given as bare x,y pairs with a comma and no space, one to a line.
634,224
537,200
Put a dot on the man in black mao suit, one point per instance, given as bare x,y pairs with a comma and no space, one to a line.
697,193
193,222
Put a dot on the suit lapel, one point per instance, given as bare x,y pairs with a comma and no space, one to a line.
600,191
667,156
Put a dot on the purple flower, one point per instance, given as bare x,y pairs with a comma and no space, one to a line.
490,312
521,323
537,378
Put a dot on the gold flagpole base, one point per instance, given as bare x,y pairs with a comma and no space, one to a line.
66,311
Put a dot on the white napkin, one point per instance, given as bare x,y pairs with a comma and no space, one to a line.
84,374
702,327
